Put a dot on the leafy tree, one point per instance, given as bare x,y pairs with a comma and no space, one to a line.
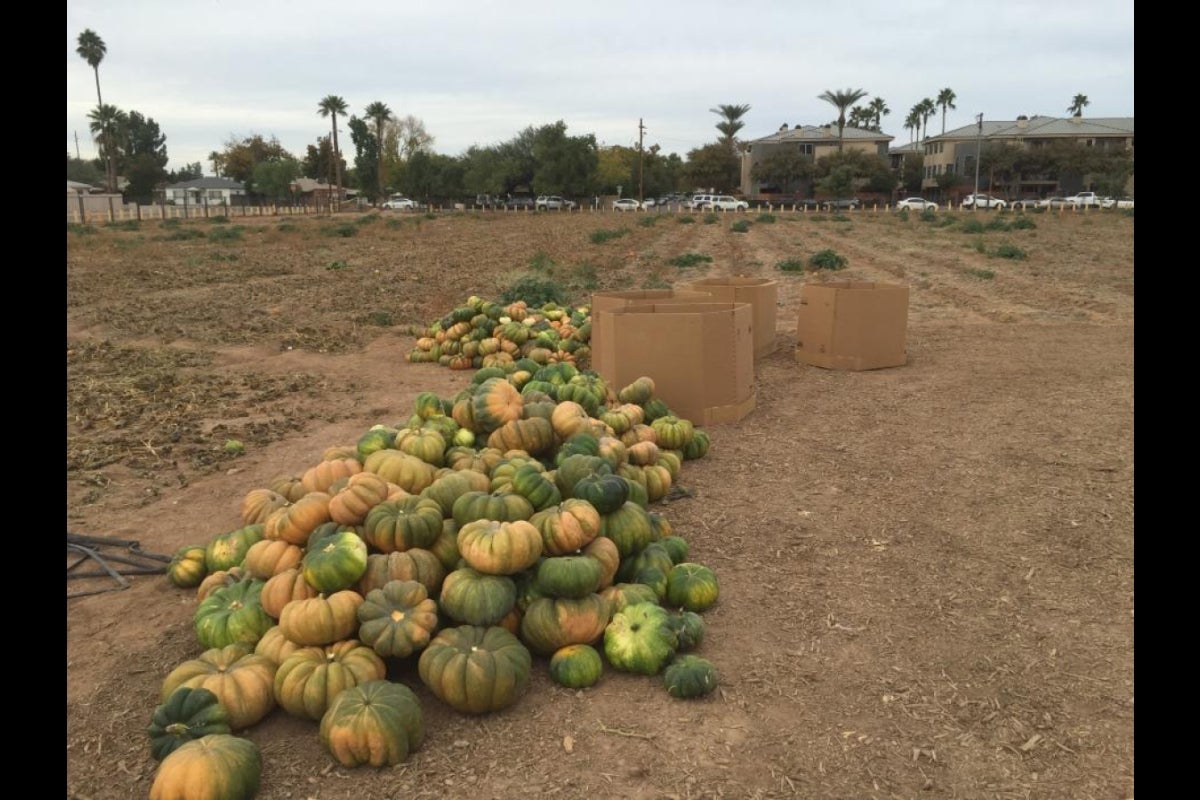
838,182
564,164
91,48
273,179
366,158
945,99
187,172
144,156
859,117
865,171
1078,103
217,159
615,167
411,137
913,173
660,172
106,124
787,169
842,100
879,110
318,160
712,165
241,157
330,106
731,122
483,170
89,171
433,178
379,114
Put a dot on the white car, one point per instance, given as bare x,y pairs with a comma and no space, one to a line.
724,202
916,204
400,204
1117,202
626,204
553,202
983,201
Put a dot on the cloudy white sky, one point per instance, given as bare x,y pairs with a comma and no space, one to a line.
480,71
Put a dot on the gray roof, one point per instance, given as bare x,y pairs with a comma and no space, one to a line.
1039,126
208,183
76,186
812,133
910,147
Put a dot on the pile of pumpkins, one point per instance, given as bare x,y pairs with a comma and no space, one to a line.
483,333
508,523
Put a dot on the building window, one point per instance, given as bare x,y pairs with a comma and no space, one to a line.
805,149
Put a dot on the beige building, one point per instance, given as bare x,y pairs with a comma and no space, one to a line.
955,151
813,141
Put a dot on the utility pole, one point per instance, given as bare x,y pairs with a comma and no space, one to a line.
978,155
641,131
77,158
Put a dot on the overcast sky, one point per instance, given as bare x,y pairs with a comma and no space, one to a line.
477,72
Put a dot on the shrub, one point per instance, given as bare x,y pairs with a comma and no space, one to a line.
339,264
1022,223
647,222
689,260
928,215
183,235
222,257
382,319
766,218
1010,251
79,230
826,259
791,265
686,219
655,281
345,230
972,226
997,224
986,274
226,234
840,218
536,291
124,225
585,276
173,222
710,218
287,227
221,219
603,235
741,226
540,262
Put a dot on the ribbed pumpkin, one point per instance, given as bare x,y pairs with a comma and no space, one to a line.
397,619
628,527
605,551
269,557
535,436
475,670
689,629
240,678
219,766
289,486
568,419
427,444
494,403
568,576
323,474
258,504
321,620
399,525
445,547
622,595
658,482
639,392
281,589
531,482
606,492
476,598
232,614
643,453
414,564
576,666
377,438
553,622
690,676
275,646
406,471
569,526
188,566
293,523
499,506
673,433
218,580
335,562
362,492
186,715
575,468
376,723
499,548
698,446
448,488
640,639
310,678
692,587
228,549
654,554
672,461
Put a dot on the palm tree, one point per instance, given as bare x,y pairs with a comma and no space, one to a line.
879,109
912,124
927,109
92,50
331,106
1077,105
379,113
731,121
218,162
106,125
945,99
859,117
843,100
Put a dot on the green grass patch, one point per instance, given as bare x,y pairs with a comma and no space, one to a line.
972,226
1010,251
585,276
222,257
985,274
710,218
689,260
218,220
826,259
536,291
607,234
541,262
766,218
183,235
839,218
124,225
287,227
741,226
171,224
339,264
80,230
655,281
1022,223
686,219
791,265
381,319
226,234
345,230
367,219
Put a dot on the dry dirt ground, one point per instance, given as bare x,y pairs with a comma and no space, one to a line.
926,571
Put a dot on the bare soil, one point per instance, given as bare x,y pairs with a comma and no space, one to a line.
926,571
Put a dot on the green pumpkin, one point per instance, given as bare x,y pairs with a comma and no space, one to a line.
474,669
640,639
677,546
629,528
474,598
337,563
550,623
622,595
378,437
189,713
584,443
494,506
654,554
448,488
397,619
227,550
530,481
655,578
219,766
691,586
568,576
399,525
697,447
308,680
188,566
575,468
377,723
689,628
690,676
606,492
576,666
232,614
655,408
673,433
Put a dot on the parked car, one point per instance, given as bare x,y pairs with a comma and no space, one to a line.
399,203
626,204
554,203
842,204
723,202
1117,202
916,204
1084,200
1027,203
517,202
983,201
697,201
1056,202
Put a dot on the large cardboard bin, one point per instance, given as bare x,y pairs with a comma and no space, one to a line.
611,301
852,325
700,355
761,293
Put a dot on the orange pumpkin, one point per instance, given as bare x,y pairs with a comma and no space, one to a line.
321,620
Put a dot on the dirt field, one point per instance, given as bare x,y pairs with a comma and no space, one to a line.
926,571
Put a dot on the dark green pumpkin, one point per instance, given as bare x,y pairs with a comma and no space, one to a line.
550,623
640,639
474,669
697,447
397,619
226,550
336,563
474,598
622,595
576,666
628,527
568,576
530,481
689,628
378,437
494,506
574,468
654,554
377,723
690,676
189,713
413,521
232,614
692,587
604,491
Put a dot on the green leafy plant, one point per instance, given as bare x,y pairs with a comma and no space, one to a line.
80,230
607,234
1022,222
1010,251
986,274
183,235
226,234
345,230
972,226
686,219
222,257
382,319
647,222
741,226
536,291
219,219
928,215
766,218
585,276
826,259
655,281
124,225
172,223
689,260
791,265
540,262
287,227
339,264
710,218
979,246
